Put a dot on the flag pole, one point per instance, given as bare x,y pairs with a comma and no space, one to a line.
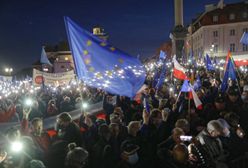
178,97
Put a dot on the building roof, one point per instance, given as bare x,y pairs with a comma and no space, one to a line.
240,10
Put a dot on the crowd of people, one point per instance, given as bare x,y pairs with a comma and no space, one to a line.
173,133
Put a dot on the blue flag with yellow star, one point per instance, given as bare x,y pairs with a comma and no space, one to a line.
103,66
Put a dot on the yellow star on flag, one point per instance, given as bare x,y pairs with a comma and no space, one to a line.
99,75
91,69
103,44
109,73
86,52
89,43
112,48
121,60
87,61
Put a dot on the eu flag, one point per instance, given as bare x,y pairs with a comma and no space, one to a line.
197,83
162,77
209,65
103,66
185,86
229,73
162,55
244,38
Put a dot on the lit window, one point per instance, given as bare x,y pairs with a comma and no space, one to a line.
66,58
232,16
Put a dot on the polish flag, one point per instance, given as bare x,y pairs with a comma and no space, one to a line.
179,71
197,101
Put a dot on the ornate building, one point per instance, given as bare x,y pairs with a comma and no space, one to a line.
219,29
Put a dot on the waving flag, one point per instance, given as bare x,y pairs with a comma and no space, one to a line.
162,55
186,87
209,65
229,73
179,71
197,83
244,38
162,77
43,58
103,66
197,101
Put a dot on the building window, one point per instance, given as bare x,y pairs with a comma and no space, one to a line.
215,18
232,32
232,16
232,47
216,48
245,15
62,67
215,33
245,47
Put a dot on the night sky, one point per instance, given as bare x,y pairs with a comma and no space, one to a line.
135,26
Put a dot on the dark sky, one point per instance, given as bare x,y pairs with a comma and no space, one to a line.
136,26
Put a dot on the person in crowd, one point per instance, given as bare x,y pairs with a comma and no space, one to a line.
66,104
153,131
234,102
39,136
178,158
67,129
117,118
52,109
129,156
232,143
209,139
216,110
7,112
102,152
77,157
173,140
184,125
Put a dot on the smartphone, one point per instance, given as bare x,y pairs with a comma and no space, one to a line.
185,138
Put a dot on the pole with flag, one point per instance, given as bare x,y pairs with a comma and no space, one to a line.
209,65
179,71
44,60
229,74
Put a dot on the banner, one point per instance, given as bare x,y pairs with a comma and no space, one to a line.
5,78
52,78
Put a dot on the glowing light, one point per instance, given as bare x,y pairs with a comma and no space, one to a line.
85,105
28,102
16,146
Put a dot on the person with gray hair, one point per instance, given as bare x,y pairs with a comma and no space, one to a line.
211,143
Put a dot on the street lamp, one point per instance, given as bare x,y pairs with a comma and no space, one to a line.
8,70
